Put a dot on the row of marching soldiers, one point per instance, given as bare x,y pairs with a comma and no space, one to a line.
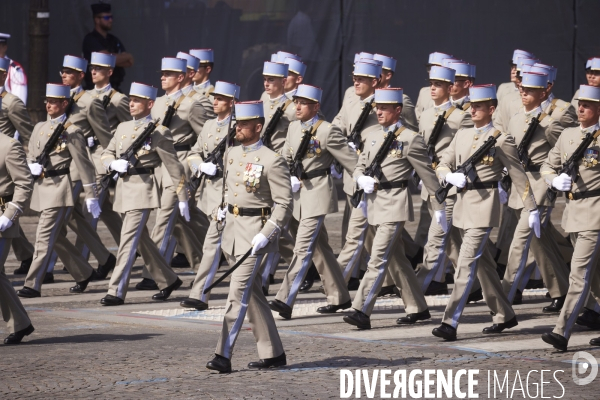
254,181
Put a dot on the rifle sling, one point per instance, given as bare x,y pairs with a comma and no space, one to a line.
78,96
312,133
178,103
3,95
552,106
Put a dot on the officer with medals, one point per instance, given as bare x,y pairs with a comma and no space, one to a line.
259,205
137,193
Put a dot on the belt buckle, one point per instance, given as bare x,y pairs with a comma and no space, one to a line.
2,204
236,210
570,195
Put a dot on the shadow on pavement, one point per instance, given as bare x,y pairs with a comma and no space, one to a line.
93,338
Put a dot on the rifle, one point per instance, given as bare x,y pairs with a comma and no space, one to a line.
523,150
433,138
468,167
297,169
129,154
215,157
571,166
374,170
44,156
106,100
355,136
270,129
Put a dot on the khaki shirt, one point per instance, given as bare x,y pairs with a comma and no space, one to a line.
318,196
562,112
269,186
14,117
56,191
117,110
481,208
137,192
408,152
509,106
89,116
424,101
188,120
15,180
289,115
579,215
505,89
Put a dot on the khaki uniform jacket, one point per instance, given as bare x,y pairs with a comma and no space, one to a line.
504,89
14,117
543,140
56,191
273,191
458,119
408,152
89,116
207,92
289,115
206,102
579,215
117,110
424,101
318,196
15,180
562,112
574,100
509,106
137,192
481,208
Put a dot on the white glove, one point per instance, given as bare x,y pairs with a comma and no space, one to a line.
209,168
93,207
119,166
258,242
295,184
334,173
534,222
420,185
562,183
221,214
457,179
503,194
90,141
363,207
5,223
184,210
36,169
16,135
366,183
352,146
440,218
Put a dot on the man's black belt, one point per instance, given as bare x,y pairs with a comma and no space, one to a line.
218,174
533,168
583,195
392,185
183,147
481,185
56,172
316,172
249,212
140,171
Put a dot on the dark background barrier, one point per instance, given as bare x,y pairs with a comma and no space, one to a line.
326,33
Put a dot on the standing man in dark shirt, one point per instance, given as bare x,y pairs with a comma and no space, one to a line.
99,40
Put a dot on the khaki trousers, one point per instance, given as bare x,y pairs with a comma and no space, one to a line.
475,260
134,237
287,240
353,255
388,251
210,263
312,235
245,296
22,247
424,224
508,224
13,312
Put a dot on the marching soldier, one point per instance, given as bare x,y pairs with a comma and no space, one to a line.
201,79
259,201
52,193
511,104
211,189
137,193
274,78
296,72
506,88
350,92
15,192
310,148
424,100
591,75
580,219
476,211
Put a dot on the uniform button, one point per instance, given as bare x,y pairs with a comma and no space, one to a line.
218,129
235,194
244,155
237,184
238,174
217,138
473,146
271,116
271,107
240,164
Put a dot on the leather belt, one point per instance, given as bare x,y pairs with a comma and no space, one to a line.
4,201
56,172
533,168
182,147
316,172
249,212
481,185
583,195
392,185
219,174
140,171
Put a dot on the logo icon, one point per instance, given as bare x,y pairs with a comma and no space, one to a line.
580,367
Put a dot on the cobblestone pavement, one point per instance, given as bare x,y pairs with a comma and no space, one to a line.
154,350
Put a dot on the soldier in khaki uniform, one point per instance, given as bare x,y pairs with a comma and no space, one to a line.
506,88
580,218
210,190
52,193
314,197
259,201
15,193
424,100
592,75
137,194
543,247
201,79
511,104
477,211
387,206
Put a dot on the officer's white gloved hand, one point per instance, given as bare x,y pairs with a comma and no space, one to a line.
119,166
440,218
366,183
295,184
208,168
352,146
5,223
562,183
184,210
91,142
93,207
534,222
221,214
16,136
258,242
420,185
457,179
334,173
363,207
503,194
36,169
